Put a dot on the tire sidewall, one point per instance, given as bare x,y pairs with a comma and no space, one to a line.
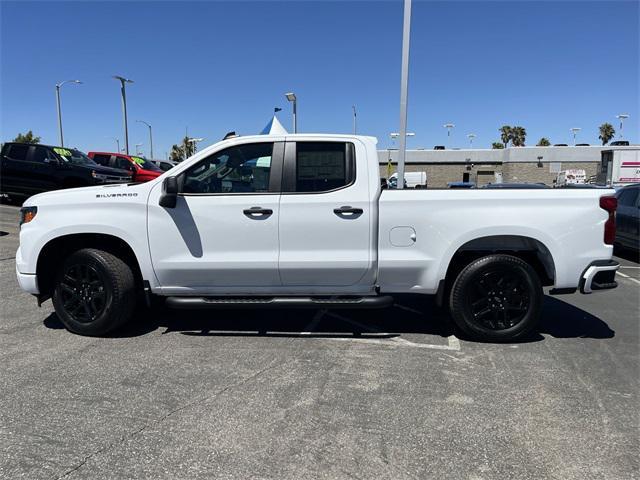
104,322
460,308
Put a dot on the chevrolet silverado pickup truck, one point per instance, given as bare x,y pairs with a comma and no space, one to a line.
301,220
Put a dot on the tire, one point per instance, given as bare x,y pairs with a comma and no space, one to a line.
496,298
94,292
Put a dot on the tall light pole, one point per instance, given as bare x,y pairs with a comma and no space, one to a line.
622,117
404,91
292,98
575,131
355,126
471,136
150,138
449,126
138,145
58,85
123,81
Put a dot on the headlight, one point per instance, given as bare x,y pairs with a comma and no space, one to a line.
27,214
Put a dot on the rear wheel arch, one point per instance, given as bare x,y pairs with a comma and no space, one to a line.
529,249
55,251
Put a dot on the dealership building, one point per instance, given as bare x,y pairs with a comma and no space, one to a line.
482,166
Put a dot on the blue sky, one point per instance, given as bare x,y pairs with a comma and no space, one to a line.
220,66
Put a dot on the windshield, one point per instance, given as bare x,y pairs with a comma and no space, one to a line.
146,164
73,156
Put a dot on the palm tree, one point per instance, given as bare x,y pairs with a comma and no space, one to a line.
518,136
497,145
607,132
506,135
543,142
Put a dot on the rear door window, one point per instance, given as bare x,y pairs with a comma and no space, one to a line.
18,152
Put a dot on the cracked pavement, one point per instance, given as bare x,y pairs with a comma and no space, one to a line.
272,394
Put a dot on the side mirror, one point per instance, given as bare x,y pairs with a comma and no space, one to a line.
52,161
169,196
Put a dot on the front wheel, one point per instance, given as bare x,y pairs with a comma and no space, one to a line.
496,298
94,292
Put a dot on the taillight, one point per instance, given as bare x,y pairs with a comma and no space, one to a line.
609,203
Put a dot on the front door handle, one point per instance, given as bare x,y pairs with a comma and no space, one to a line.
347,210
257,212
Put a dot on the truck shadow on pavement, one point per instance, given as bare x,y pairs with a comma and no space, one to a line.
408,316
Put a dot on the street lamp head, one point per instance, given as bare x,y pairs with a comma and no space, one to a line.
77,82
142,121
122,79
472,135
622,116
290,96
448,125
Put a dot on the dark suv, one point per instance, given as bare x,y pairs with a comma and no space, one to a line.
29,169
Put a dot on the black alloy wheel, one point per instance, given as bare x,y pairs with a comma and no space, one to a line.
496,298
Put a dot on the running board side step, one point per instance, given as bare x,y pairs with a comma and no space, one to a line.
279,302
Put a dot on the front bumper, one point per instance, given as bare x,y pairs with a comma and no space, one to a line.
599,275
28,282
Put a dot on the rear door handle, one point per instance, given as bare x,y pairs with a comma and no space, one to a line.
347,210
257,212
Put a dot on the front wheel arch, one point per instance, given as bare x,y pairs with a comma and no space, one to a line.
55,251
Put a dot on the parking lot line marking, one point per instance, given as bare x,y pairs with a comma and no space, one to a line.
628,266
623,275
452,342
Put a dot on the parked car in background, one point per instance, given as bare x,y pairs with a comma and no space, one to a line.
141,169
461,185
26,169
628,217
392,182
164,165
515,185
620,143
411,179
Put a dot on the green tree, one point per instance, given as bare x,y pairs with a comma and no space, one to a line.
518,136
28,137
607,132
506,135
497,145
543,142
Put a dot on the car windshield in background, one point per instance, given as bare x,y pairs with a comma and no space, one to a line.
146,164
76,157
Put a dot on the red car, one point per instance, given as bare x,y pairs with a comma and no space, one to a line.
141,169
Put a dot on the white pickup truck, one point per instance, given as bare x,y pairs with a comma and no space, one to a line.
301,220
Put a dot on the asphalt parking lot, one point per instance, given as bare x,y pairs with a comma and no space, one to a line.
309,394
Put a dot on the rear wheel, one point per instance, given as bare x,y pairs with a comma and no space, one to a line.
94,292
496,298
